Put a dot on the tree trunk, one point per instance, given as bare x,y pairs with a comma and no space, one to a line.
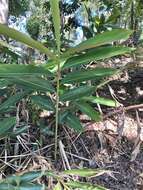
4,11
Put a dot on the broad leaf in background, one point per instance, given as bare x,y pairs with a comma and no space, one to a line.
73,122
33,83
77,93
56,21
44,102
88,110
88,74
95,55
102,101
16,35
6,125
14,70
100,39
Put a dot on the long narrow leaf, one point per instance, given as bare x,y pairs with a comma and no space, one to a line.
90,74
31,186
44,102
95,55
88,110
85,172
73,122
100,39
84,186
5,186
16,35
102,101
14,70
56,21
33,83
9,104
6,125
77,93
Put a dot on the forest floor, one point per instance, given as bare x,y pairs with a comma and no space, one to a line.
115,144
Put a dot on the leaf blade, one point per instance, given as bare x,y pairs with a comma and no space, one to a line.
76,93
88,110
56,21
44,102
102,101
34,83
73,122
5,125
100,39
16,35
85,172
84,186
12,100
89,74
14,70
96,55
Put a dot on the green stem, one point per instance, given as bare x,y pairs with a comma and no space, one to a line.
57,108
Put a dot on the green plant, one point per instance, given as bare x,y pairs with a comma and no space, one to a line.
61,84
63,181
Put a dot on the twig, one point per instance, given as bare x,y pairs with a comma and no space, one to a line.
63,154
136,106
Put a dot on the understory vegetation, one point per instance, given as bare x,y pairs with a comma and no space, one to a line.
67,82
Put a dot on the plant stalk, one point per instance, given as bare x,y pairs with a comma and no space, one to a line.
57,108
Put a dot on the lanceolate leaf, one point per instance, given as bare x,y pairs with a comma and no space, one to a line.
30,186
4,83
11,101
5,186
14,70
85,172
88,110
56,21
62,116
90,74
6,125
27,177
102,101
16,35
44,102
34,83
84,186
77,93
95,55
100,39
73,122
